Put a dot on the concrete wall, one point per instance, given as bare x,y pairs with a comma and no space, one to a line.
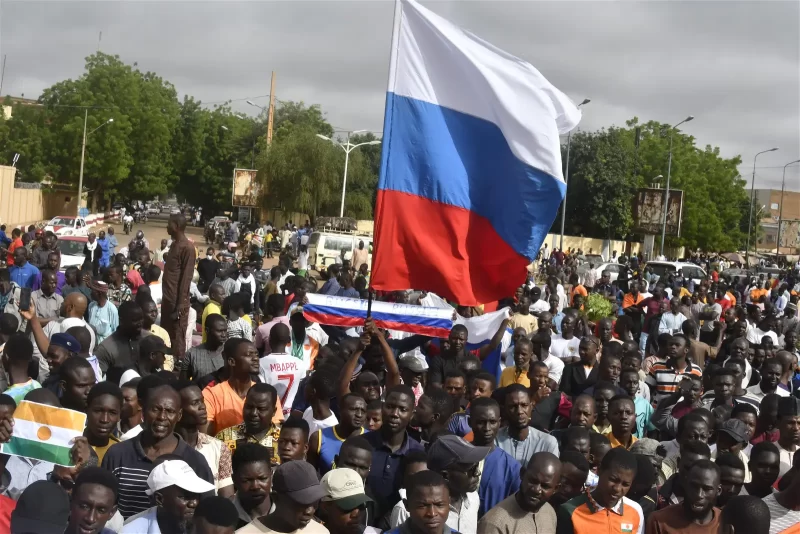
29,206
592,245
279,217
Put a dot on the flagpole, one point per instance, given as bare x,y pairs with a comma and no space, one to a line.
398,15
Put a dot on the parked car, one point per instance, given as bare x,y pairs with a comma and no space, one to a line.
67,225
71,248
690,270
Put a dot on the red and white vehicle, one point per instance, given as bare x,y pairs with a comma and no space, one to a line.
71,248
67,225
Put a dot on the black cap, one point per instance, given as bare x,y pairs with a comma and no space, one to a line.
299,481
153,343
43,508
449,450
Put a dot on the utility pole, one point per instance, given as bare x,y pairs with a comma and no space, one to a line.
271,112
83,152
3,74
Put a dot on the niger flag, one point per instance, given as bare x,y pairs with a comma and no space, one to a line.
44,433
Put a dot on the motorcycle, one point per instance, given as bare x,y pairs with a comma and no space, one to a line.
128,226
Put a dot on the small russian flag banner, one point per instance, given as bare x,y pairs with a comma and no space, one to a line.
341,311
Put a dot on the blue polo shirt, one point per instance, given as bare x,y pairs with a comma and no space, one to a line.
24,276
385,473
499,479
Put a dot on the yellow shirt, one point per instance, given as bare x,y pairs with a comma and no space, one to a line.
616,443
169,362
101,451
528,322
509,376
211,307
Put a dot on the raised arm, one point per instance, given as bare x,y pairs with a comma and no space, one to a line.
350,367
42,341
392,371
495,342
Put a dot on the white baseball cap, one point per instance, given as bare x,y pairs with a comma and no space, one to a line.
345,488
176,473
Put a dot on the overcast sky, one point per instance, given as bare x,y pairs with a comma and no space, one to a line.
734,65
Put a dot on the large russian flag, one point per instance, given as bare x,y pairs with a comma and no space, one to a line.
471,165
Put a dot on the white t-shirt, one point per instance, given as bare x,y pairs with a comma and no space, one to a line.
755,334
316,424
539,306
564,348
257,527
283,371
302,260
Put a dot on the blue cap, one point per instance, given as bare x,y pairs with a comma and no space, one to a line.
66,341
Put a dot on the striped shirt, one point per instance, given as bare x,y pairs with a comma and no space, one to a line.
782,520
131,466
583,515
665,378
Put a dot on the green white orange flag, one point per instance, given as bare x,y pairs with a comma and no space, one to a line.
44,433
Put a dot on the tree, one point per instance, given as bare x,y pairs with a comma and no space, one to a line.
26,134
606,168
131,156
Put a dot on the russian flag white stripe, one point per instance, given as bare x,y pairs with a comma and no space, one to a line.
437,62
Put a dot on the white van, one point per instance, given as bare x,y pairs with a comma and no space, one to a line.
325,247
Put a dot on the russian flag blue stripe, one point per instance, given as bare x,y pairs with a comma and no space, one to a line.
410,320
467,163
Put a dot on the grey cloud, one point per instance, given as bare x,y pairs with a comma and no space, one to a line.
734,65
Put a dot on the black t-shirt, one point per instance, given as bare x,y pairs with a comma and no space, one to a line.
207,269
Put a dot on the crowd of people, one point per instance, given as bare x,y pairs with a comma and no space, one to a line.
679,411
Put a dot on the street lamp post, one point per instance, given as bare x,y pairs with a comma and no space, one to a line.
347,147
666,193
750,210
780,210
566,184
83,154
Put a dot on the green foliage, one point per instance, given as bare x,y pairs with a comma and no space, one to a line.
304,173
597,306
606,169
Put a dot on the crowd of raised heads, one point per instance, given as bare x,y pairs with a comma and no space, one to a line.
628,404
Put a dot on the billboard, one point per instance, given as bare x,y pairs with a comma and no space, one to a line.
246,190
648,211
790,234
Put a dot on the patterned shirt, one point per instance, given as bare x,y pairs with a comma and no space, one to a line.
665,378
118,296
233,436
584,515
782,520
218,457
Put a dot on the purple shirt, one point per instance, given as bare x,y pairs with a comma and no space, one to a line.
60,280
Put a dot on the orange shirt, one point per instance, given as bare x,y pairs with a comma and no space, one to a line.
224,407
629,301
756,294
580,290
15,244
